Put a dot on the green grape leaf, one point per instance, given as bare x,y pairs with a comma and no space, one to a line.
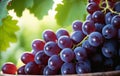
20,5
3,9
41,7
7,32
70,10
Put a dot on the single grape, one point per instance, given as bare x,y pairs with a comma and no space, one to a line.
77,36
83,67
68,68
98,17
21,71
98,27
109,48
9,68
109,31
27,57
95,39
67,55
49,35
48,71
88,27
89,49
92,7
80,53
77,25
55,62
65,42
61,32
51,48
115,21
117,7
38,45
32,68
108,17
41,58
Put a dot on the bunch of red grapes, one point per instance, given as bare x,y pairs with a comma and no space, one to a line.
93,46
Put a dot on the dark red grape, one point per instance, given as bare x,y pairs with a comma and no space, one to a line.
49,35
27,57
21,70
38,45
92,7
9,68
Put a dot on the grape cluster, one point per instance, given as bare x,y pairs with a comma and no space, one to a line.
93,46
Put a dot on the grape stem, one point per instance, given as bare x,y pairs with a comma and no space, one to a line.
108,8
80,42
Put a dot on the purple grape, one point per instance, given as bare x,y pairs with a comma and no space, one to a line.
109,48
9,68
95,39
77,25
108,17
115,21
92,7
83,67
98,17
38,45
96,1
65,42
109,31
117,6
61,32
80,53
49,35
48,71
68,68
41,58
88,27
32,68
67,55
98,27
51,48
27,57
21,71
55,62
77,36
89,49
